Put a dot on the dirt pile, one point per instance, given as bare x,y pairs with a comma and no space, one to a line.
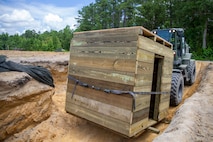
193,120
24,102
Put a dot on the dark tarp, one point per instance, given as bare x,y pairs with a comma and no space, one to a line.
38,73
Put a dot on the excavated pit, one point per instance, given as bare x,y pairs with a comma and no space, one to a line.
24,102
61,126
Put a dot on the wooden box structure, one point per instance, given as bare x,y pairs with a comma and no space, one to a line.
111,76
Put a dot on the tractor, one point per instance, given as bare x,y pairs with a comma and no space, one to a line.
184,68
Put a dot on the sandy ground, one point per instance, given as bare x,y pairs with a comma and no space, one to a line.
193,120
61,126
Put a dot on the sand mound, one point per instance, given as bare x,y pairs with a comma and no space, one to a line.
24,102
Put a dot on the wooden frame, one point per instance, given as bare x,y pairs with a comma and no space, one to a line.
119,59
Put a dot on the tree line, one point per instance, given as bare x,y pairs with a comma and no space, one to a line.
31,40
195,16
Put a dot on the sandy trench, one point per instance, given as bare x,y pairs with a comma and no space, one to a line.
61,126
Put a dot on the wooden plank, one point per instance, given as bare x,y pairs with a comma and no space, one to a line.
101,44
156,38
107,37
144,68
143,80
102,108
167,70
141,102
162,114
164,98
164,105
103,120
125,31
105,50
166,79
140,115
104,38
103,74
138,126
142,88
131,55
151,46
166,87
102,83
121,101
124,65
145,56
168,61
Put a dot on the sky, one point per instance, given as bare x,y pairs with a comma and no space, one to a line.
17,16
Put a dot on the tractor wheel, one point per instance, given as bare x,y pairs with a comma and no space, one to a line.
192,73
176,89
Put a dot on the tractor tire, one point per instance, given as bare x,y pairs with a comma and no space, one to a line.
177,87
192,73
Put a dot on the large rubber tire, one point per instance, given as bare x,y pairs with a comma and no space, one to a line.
192,73
177,87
